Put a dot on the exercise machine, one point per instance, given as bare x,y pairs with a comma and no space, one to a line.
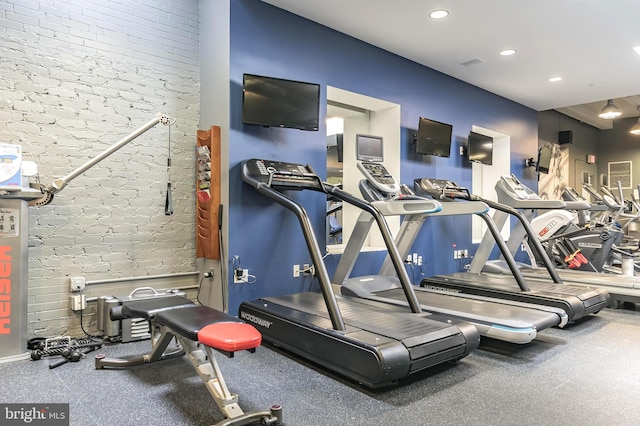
577,301
13,251
620,288
586,247
199,330
499,319
373,343
613,250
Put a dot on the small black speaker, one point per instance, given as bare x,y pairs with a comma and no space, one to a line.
565,136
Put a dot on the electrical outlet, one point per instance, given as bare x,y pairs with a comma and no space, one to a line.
308,270
296,271
419,260
465,254
78,302
240,276
77,283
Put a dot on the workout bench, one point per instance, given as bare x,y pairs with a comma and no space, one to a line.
199,330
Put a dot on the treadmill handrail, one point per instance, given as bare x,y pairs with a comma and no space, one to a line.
312,244
455,192
578,205
497,236
535,242
388,238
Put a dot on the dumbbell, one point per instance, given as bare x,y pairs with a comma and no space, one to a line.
68,355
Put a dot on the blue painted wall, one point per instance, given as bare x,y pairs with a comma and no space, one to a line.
268,41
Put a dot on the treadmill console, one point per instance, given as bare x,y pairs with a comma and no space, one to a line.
592,191
570,194
379,177
440,189
280,174
518,190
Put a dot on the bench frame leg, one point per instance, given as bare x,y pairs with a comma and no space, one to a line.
203,359
158,352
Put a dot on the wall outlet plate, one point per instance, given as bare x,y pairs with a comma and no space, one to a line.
77,283
239,278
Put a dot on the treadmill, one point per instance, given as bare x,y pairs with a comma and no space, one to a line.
372,343
621,288
576,301
506,320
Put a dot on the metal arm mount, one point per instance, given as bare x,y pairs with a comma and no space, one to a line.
58,184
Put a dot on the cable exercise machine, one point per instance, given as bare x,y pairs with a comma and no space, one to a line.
14,245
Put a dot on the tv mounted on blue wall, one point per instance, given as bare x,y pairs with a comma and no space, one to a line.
480,148
434,138
276,102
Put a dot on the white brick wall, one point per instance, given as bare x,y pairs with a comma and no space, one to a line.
75,78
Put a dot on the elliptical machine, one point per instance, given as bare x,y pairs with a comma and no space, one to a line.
574,241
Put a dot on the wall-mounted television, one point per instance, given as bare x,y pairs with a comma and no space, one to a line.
544,159
434,138
276,102
480,148
369,148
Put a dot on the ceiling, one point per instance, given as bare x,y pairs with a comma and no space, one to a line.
589,43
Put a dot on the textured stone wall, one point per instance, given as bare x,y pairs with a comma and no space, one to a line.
75,78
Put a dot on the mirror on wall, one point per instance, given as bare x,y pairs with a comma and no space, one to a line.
349,114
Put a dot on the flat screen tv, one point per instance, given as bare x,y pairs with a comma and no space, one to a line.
480,148
276,102
434,138
544,159
369,148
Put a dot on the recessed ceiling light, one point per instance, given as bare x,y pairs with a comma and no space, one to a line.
508,52
553,79
637,49
439,14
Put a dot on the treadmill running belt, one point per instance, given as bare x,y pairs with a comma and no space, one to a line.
397,324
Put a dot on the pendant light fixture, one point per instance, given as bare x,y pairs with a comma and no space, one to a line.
610,111
635,130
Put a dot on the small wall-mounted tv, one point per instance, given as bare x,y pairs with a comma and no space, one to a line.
544,159
276,102
480,148
369,148
434,138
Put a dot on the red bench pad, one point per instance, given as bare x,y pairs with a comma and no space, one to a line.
230,336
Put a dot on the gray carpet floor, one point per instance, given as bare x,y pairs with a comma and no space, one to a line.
588,373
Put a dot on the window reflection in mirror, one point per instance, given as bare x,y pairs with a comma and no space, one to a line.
348,114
